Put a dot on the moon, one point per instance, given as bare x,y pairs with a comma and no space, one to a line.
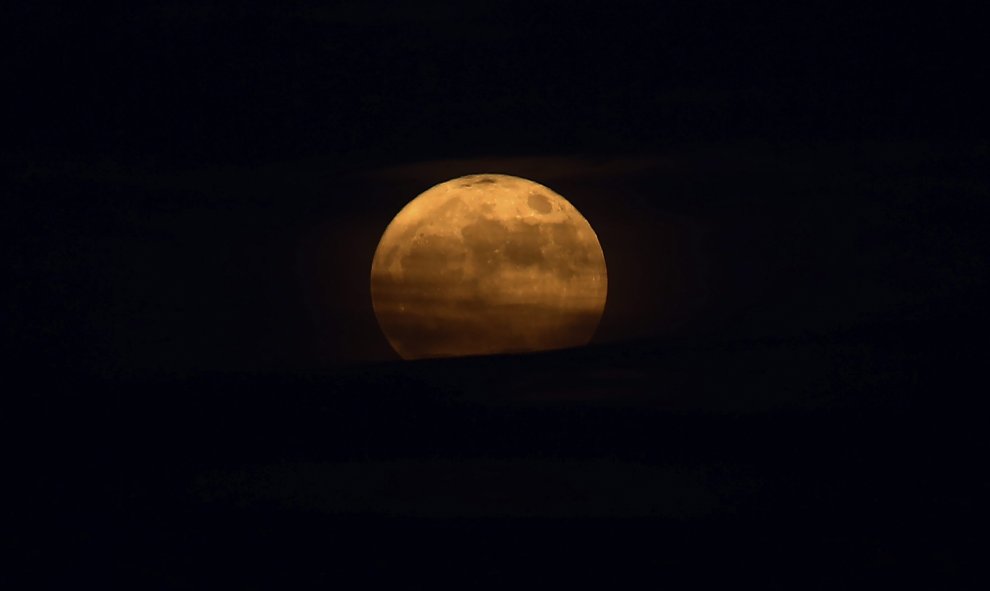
488,264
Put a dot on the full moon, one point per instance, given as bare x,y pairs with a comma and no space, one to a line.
486,264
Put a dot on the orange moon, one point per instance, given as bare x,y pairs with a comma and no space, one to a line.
486,264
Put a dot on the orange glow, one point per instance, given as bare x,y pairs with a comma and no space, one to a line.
487,264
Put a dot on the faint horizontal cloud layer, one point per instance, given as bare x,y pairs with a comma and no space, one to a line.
482,488
537,168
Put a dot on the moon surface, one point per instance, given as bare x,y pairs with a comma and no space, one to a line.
486,264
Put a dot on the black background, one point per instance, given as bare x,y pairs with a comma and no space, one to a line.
792,204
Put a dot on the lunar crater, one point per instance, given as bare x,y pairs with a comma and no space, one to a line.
539,203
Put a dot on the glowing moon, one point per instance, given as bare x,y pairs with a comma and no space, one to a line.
484,264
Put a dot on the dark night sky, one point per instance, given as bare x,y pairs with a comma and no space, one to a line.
792,200
200,186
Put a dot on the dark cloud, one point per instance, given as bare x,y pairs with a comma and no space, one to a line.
444,326
472,488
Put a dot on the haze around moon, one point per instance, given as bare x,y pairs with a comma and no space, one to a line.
488,264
